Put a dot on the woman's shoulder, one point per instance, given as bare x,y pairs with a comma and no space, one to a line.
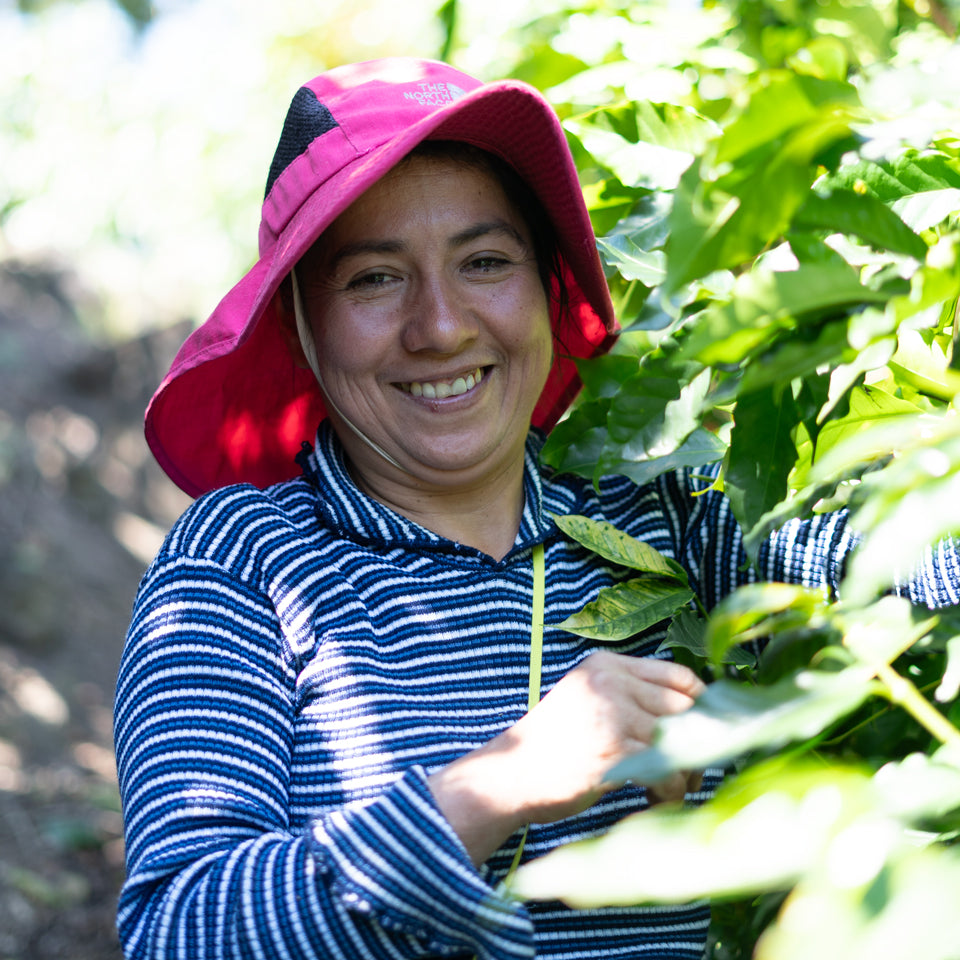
229,524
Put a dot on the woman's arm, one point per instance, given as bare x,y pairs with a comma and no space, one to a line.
204,733
553,763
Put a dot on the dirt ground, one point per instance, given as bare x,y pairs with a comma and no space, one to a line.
82,509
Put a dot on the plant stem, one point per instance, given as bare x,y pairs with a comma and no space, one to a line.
902,691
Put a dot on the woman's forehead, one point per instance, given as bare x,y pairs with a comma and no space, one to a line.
465,199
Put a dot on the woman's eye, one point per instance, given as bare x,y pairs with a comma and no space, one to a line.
487,263
369,281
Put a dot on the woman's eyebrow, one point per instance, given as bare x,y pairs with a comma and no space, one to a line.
362,247
479,230
471,233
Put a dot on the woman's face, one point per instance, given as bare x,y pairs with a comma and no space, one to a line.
431,322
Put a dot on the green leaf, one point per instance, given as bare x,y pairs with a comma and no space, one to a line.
609,201
761,455
730,719
641,143
618,547
844,211
796,356
918,787
921,211
604,376
756,610
627,609
907,912
700,448
879,633
621,252
909,174
688,632
576,443
764,831
764,301
838,449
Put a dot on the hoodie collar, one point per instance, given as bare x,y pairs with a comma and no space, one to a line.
345,509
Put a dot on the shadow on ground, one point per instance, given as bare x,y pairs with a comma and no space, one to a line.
82,509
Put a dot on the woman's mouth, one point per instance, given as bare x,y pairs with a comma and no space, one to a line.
441,389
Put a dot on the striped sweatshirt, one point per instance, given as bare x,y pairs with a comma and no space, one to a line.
301,658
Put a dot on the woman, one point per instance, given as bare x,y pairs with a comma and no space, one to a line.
323,729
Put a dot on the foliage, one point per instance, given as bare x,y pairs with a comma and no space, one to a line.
776,184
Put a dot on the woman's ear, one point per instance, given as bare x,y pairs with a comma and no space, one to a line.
283,307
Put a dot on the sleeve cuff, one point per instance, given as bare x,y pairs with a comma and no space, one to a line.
398,861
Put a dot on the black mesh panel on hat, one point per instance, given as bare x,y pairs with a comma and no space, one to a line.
306,120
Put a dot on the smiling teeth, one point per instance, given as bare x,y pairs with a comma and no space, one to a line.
440,389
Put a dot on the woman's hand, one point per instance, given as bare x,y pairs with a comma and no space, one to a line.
552,762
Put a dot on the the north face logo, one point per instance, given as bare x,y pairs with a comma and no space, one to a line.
435,94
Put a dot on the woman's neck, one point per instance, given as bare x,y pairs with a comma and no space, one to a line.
484,514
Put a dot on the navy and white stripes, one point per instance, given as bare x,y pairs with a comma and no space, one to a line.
300,659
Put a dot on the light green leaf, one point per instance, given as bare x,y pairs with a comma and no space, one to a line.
879,633
919,787
763,301
756,610
908,912
762,832
730,719
612,544
633,263
921,211
627,609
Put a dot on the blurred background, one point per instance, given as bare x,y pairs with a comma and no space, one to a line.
134,144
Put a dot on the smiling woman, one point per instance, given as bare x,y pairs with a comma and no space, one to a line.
328,736
425,284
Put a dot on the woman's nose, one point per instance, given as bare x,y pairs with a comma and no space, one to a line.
438,319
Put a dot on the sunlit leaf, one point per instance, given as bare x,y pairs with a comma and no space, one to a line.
845,211
612,544
730,719
633,263
919,787
763,301
762,832
907,913
878,634
756,610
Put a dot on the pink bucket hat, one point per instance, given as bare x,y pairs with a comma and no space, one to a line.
235,408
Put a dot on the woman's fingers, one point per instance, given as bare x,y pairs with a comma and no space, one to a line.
554,761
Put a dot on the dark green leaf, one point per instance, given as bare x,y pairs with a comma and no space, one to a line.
688,632
762,453
576,443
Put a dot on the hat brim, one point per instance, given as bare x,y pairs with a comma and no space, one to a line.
236,408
